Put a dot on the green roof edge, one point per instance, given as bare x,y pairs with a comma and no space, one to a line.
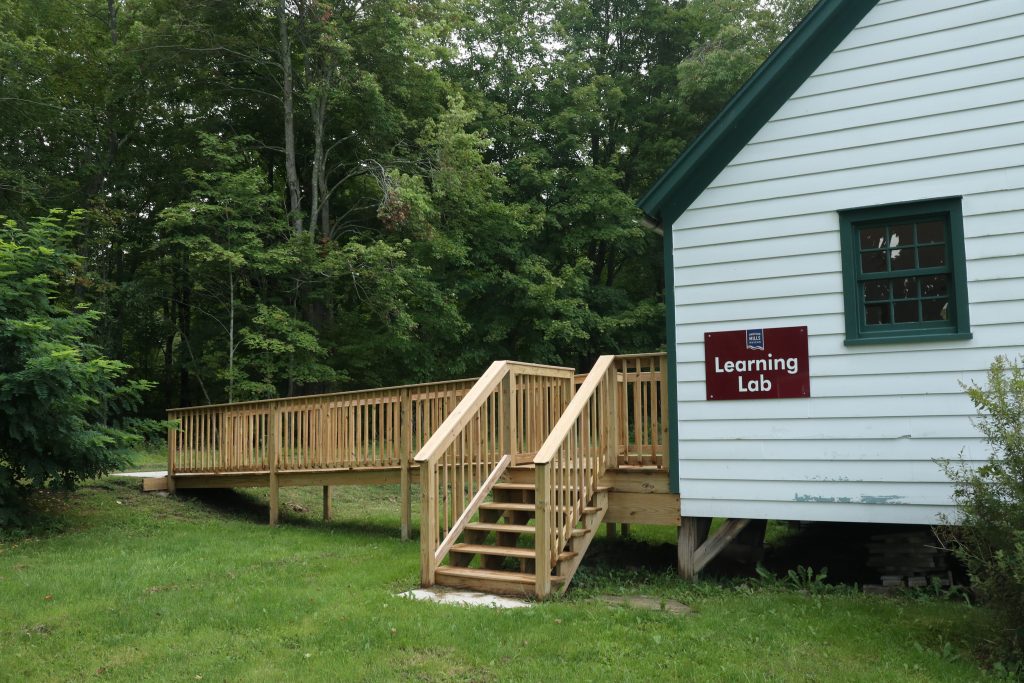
764,93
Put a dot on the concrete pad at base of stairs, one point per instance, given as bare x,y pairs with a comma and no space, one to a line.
141,475
444,596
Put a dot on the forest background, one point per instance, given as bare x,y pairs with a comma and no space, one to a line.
251,198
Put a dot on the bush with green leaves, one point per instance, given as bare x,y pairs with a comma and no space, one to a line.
988,535
64,407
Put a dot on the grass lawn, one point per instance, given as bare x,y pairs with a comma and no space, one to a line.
142,587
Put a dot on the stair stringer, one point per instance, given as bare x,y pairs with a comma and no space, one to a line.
566,569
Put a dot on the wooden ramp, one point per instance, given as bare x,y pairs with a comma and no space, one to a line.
347,438
518,468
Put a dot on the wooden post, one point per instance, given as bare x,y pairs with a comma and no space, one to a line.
507,441
275,454
327,503
428,523
625,530
542,565
693,531
405,456
611,531
172,449
663,415
222,459
612,456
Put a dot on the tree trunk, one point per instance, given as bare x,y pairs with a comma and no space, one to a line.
112,20
294,189
316,174
231,335
184,327
168,382
319,175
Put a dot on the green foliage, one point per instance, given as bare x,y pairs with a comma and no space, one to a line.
800,578
62,403
278,349
732,39
988,535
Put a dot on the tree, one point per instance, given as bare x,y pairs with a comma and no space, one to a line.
220,239
63,405
988,534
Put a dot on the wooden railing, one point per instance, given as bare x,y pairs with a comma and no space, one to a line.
502,420
353,429
642,411
570,464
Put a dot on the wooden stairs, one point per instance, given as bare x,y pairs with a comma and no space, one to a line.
496,552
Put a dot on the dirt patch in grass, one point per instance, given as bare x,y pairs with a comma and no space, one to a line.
645,602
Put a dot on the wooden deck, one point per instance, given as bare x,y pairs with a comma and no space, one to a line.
539,450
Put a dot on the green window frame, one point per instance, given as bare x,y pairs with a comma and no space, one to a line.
905,272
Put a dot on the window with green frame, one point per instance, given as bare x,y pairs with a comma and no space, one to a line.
904,272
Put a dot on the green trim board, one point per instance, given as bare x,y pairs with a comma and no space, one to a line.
904,272
670,349
774,82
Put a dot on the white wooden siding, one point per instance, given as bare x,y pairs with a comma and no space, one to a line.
924,99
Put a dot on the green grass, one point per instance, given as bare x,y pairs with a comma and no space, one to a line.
141,587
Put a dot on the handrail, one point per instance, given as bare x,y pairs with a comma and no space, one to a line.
506,413
570,464
349,392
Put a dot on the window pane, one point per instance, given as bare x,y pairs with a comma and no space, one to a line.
873,262
932,231
903,259
876,290
872,238
935,285
905,288
876,314
932,257
935,309
905,311
901,235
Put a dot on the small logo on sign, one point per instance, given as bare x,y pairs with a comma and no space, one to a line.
755,340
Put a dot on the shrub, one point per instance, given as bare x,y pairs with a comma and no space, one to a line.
988,536
62,403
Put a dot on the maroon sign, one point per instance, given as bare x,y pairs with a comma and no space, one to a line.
760,363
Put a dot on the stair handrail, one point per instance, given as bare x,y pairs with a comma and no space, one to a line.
487,419
570,465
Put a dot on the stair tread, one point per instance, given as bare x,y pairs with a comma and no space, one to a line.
526,507
511,486
506,551
512,528
516,507
490,575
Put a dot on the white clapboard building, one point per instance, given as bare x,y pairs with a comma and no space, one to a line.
864,191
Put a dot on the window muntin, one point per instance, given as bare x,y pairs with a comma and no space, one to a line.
904,275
